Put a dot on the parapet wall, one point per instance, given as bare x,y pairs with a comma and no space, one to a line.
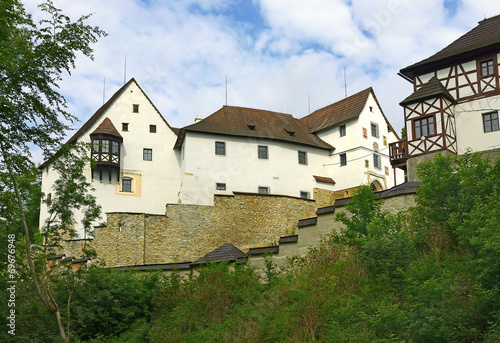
188,232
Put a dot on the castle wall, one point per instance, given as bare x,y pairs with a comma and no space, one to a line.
188,232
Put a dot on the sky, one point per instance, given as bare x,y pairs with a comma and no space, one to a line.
289,56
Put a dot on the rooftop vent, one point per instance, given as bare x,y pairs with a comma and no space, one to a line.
198,118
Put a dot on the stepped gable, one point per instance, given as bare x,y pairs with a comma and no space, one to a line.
226,252
106,128
432,89
254,123
485,35
341,111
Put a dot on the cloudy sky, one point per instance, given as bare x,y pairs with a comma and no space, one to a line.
280,55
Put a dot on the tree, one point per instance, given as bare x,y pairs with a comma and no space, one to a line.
33,59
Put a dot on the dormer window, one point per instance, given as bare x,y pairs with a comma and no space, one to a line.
290,133
251,126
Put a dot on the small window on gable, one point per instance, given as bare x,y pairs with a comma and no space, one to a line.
135,108
220,148
487,68
152,128
126,185
374,128
263,190
147,154
342,130
490,122
220,186
124,126
302,157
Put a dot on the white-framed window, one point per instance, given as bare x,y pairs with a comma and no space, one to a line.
264,190
342,130
220,186
487,68
126,185
147,154
304,195
263,152
424,127
220,148
343,159
374,129
377,161
490,122
302,157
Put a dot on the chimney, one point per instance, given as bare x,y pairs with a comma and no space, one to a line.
198,119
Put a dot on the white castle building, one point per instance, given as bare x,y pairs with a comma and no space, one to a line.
143,163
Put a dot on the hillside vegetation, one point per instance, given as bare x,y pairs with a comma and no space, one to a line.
427,275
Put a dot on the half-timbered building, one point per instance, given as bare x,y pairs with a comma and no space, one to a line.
454,107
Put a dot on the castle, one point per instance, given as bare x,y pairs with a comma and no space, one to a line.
256,178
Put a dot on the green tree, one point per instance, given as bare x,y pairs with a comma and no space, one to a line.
33,58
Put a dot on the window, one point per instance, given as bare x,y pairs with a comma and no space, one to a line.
487,68
105,146
124,126
152,128
114,147
147,154
220,148
135,108
304,195
342,130
126,185
490,121
302,157
262,152
220,186
377,161
424,127
263,190
374,128
343,159
95,145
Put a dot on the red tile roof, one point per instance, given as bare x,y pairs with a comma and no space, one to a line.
341,111
107,128
324,179
254,123
483,37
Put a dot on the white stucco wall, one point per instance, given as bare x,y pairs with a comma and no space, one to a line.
155,183
241,169
358,149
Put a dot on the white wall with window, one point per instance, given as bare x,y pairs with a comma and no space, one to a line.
149,167
247,165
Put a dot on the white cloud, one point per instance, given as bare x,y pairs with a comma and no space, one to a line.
180,51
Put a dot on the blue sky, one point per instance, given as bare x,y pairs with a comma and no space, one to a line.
277,54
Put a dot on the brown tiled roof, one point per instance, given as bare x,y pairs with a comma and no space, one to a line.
107,128
485,35
341,111
432,89
260,124
324,179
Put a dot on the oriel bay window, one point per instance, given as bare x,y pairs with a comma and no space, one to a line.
106,150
